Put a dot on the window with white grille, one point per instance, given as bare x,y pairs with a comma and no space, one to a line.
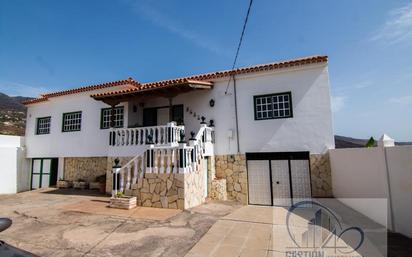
106,117
72,121
43,125
273,106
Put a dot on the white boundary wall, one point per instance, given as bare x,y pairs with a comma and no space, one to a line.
14,168
379,172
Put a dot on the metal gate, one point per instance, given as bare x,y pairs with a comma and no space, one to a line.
279,178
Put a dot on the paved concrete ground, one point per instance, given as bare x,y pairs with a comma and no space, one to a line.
263,231
63,223
55,223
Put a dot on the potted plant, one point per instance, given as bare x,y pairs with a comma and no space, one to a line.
120,201
61,183
80,184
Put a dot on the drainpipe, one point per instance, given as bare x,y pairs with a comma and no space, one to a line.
236,115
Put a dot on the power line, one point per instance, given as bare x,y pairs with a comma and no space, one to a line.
240,42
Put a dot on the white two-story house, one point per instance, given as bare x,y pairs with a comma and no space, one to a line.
260,132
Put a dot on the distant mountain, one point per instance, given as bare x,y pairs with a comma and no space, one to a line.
350,142
12,115
12,102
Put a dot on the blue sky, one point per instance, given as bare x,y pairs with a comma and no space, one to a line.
54,45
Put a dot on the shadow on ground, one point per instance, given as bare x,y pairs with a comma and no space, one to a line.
42,227
71,191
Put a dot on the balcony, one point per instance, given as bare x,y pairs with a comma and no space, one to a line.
134,141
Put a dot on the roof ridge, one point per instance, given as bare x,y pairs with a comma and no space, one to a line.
199,77
45,96
225,72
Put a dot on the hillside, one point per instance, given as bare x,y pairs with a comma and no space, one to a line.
350,142
12,115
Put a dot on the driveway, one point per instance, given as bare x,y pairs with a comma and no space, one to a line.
63,223
258,231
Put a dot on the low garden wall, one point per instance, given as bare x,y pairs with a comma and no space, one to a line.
164,190
167,190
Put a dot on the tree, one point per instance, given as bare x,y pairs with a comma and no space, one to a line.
371,142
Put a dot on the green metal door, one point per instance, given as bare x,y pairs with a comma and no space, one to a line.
44,172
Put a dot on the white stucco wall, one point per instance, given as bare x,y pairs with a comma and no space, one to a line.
360,179
90,141
400,176
8,183
361,169
13,168
310,129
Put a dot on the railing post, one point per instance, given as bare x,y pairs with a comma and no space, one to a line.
135,171
173,157
193,153
212,126
116,179
149,158
155,163
182,158
121,180
162,160
128,176
142,166
182,153
169,160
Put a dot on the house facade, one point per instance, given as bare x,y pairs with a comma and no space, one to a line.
257,134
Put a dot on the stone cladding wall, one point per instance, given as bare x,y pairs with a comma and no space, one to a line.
321,175
219,190
233,169
164,190
85,168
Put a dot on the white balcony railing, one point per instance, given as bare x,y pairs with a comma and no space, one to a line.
179,158
158,135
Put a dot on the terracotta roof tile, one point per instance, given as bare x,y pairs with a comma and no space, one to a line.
45,97
219,74
160,84
200,78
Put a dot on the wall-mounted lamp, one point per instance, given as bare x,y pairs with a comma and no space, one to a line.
134,108
212,102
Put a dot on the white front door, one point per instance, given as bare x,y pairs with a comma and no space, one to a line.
280,183
162,116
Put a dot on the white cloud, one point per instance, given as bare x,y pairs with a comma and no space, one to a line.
363,84
161,20
397,28
18,89
404,100
338,102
